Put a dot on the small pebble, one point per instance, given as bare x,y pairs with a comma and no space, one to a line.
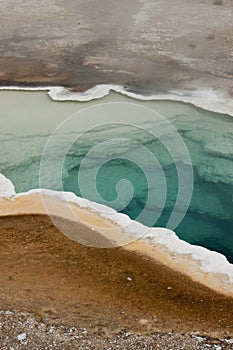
22,336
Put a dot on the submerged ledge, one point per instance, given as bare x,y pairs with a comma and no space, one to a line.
208,99
204,266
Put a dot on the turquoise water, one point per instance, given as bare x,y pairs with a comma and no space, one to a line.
208,222
27,122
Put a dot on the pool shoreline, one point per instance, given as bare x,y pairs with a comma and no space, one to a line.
202,265
207,99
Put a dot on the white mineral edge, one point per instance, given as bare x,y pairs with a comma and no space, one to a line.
7,189
210,261
208,99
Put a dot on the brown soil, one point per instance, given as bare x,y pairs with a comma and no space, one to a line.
56,279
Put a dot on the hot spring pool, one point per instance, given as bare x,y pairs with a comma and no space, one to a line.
28,119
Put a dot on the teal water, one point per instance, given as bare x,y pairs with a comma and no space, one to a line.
27,120
208,221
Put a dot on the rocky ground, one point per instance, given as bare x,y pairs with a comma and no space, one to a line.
22,331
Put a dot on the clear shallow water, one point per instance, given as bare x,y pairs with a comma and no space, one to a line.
28,118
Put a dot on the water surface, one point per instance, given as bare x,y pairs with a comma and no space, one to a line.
28,118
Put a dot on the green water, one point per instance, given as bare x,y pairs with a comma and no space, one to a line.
28,118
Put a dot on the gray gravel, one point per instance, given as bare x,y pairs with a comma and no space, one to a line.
20,330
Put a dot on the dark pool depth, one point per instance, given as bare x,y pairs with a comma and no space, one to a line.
209,219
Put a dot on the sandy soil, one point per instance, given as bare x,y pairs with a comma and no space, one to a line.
58,280
146,45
